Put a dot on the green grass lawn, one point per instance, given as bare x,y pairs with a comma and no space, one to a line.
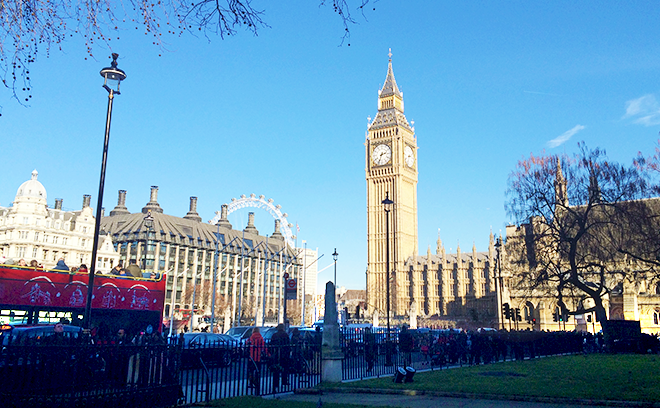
596,376
257,402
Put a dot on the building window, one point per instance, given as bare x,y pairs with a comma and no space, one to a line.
20,251
45,238
64,239
34,252
26,220
83,242
84,230
55,239
36,237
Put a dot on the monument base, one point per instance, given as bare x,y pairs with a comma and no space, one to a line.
331,371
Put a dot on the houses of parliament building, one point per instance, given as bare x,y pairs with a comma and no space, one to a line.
466,289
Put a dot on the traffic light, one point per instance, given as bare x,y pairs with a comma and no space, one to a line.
506,310
357,311
517,315
555,316
348,315
534,320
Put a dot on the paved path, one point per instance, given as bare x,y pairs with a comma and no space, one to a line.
416,401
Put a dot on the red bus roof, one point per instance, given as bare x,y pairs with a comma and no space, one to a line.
29,287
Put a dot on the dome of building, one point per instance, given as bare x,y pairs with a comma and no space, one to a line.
31,189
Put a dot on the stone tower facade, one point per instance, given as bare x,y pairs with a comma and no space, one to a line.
391,171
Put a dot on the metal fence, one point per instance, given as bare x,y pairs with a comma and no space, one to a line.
207,375
42,375
160,375
367,352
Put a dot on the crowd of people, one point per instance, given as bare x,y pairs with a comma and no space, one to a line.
131,271
463,347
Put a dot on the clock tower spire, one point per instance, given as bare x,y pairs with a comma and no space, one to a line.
391,167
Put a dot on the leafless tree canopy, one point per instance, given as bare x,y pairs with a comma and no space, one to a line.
587,224
32,28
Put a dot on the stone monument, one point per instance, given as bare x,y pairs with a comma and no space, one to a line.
331,349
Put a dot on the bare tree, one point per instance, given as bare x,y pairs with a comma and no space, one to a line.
580,218
30,28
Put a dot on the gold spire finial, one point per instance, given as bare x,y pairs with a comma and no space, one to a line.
389,54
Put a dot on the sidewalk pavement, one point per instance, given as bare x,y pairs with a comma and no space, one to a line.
412,399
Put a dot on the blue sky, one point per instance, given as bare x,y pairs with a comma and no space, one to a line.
284,114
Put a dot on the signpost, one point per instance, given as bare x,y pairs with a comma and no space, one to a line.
291,289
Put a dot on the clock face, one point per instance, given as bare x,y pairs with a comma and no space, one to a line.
382,154
409,156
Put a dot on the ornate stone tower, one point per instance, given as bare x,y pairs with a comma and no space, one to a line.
391,169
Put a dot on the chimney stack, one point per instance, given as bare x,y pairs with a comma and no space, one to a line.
87,199
224,222
58,203
250,227
121,205
192,214
152,205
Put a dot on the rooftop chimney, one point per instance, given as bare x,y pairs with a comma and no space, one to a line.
250,227
224,222
121,204
86,200
192,214
277,234
152,205
58,203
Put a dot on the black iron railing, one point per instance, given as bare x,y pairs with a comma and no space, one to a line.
251,370
41,375
366,350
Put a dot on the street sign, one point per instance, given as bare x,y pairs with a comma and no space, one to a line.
286,276
291,289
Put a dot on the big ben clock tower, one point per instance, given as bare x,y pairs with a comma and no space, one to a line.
391,170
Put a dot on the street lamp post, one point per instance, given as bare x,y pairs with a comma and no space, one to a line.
500,305
112,78
148,224
387,206
334,256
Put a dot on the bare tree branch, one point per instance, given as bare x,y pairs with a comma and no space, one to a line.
30,28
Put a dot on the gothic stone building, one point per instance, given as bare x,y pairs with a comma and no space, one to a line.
467,289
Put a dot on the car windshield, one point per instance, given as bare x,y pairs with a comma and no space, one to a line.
236,331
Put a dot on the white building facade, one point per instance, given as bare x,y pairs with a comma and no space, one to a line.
31,230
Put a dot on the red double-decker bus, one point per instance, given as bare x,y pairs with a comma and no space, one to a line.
36,296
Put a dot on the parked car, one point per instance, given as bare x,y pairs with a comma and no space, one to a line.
24,334
209,348
240,333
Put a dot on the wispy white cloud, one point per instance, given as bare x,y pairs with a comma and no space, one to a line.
564,137
540,93
644,110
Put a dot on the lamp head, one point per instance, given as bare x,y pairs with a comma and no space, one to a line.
387,203
335,255
112,76
149,221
